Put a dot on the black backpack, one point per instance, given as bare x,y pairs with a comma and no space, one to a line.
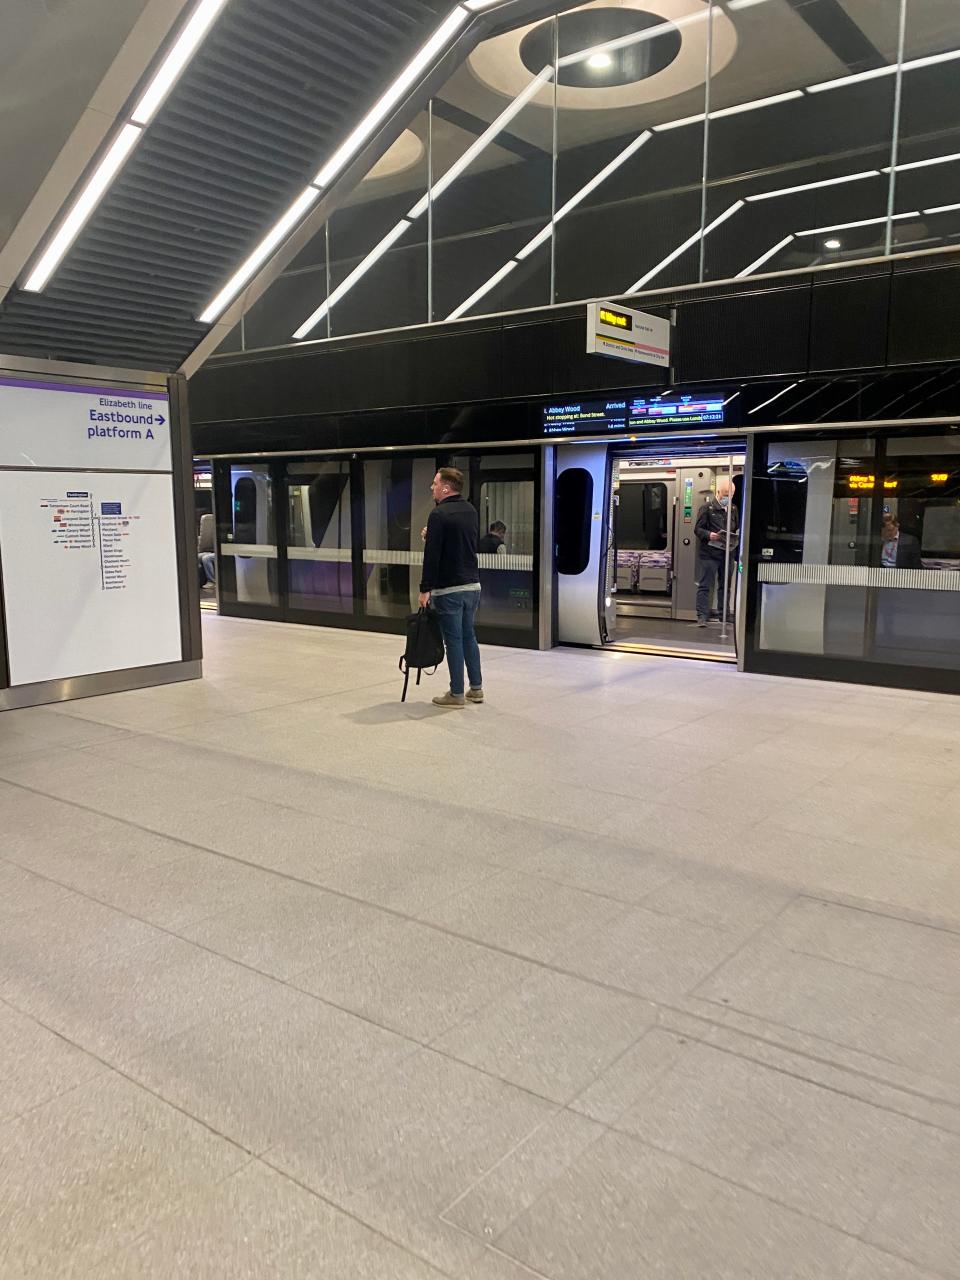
424,646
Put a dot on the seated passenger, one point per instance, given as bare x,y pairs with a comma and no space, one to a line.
208,563
493,541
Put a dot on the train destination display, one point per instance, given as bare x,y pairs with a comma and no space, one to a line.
642,413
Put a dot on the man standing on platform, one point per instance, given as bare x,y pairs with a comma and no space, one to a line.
451,583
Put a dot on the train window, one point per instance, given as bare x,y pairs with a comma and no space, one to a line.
245,510
642,516
574,507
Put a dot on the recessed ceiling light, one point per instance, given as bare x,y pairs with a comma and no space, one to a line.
599,62
833,244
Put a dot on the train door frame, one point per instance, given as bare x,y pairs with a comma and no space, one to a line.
735,456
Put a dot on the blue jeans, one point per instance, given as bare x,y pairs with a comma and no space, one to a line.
710,571
455,613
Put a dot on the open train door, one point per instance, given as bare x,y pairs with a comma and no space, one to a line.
584,544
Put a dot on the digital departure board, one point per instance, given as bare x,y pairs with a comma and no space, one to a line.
646,413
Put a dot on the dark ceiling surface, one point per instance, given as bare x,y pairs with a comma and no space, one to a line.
274,88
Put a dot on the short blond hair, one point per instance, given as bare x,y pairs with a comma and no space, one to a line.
452,477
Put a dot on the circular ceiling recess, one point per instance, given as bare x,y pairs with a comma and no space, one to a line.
586,28
649,72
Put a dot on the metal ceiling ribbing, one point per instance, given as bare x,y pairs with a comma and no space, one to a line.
272,91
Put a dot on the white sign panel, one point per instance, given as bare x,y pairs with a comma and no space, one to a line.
89,573
625,334
64,424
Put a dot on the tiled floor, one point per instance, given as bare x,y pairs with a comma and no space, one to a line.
642,969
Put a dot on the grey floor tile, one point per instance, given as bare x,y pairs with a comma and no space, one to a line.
397,1153
816,1150
175,894
598,865
650,954
258,1224
262,1071
876,943
22,892
414,979
94,858
287,927
94,1169
552,1035
623,1209
512,1185
36,1065
722,900
409,879
119,1006
872,1264
892,1020
918,1219
524,914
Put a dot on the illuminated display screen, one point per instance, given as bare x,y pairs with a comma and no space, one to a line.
597,417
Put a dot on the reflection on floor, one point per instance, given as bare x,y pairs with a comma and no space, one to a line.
642,968
671,634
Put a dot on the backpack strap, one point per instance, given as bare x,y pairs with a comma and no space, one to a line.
406,678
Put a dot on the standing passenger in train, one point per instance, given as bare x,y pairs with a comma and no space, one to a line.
711,533
451,583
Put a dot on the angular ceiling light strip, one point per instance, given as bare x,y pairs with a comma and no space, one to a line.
544,233
765,257
842,81
425,56
701,234
374,256
456,169
925,164
943,208
741,107
184,47
274,237
423,59
862,222
484,289
92,192
813,186
82,207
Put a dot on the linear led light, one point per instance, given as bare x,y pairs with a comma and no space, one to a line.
83,206
758,407
344,287
687,244
743,4
184,47
862,222
874,74
925,164
475,6
620,158
764,257
545,232
812,186
464,162
422,59
740,107
484,289
943,208
625,42
278,232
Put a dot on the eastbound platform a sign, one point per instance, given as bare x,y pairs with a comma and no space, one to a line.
625,334
66,424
